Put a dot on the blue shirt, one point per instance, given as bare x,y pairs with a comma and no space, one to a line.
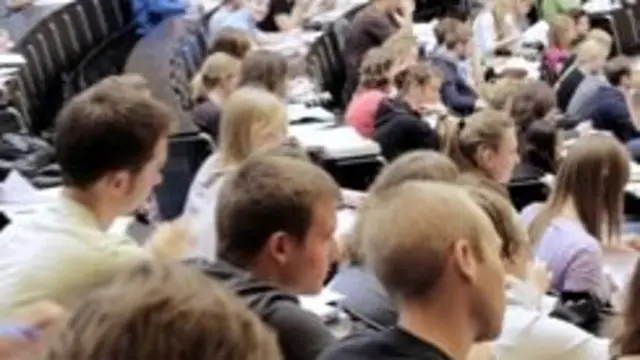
232,18
149,13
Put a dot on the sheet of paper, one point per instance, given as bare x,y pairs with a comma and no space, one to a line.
12,59
539,32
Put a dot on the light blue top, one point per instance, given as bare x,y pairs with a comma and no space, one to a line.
225,17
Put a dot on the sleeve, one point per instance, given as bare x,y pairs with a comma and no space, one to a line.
425,136
484,34
585,273
379,29
301,335
460,103
167,6
618,115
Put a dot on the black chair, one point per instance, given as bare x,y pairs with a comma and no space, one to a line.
326,66
186,153
527,192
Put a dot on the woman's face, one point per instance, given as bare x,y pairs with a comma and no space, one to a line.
523,7
499,163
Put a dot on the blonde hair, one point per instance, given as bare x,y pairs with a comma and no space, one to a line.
600,36
500,9
499,95
162,312
217,69
560,27
589,51
401,44
246,109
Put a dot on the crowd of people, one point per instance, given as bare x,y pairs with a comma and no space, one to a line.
440,263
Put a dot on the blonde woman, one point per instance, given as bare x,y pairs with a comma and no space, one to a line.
252,119
215,81
498,27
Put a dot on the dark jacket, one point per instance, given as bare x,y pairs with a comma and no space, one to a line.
301,335
456,93
608,111
567,86
207,116
399,129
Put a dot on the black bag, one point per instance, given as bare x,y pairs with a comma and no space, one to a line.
584,310
32,157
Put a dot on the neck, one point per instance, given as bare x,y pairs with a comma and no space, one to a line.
438,325
569,211
102,212
263,269
215,96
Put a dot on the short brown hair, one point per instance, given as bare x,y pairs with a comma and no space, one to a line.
134,81
265,195
618,68
444,27
217,69
266,69
531,102
162,312
375,69
408,230
419,74
108,128
231,41
457,34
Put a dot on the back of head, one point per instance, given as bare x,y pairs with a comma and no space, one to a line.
532,101
134,81
626,342
617,69
108,114
245,112
561,26
403,44
265,69
265,195
600,36
457,34
231,41
375,69
159,311
443,27
217,69
418,75
591,52
593,176
499,95
539,146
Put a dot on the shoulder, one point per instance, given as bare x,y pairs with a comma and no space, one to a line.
355,347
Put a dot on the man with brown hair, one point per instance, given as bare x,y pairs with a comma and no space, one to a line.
438,255
161,312
275,220
111,144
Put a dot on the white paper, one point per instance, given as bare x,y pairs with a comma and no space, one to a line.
539,32
339,142
297,112
319,304
12,59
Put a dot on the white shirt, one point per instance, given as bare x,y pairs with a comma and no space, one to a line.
484,33
529,334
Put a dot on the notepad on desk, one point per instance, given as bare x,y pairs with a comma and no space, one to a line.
12,59
339,142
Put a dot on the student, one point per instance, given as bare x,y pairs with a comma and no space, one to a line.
533,101
591,56
163,312
582,213
485,148
265,69
149,13
581,22
626,345
553,8
527,333
500,94
456,91
540,147
276,217
237,14
252,119
499,26
230,41
399,126
64,249
447,280
364,296
611,106
210,87
562,34
598,35
375,83
287,15
370,28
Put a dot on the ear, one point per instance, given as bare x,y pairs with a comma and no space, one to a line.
465,260
118,181
485,157
281,247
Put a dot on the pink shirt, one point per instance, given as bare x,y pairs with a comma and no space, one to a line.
554,59
361,111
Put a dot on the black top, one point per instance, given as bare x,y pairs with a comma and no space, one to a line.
207,116
276,7
301,334
399,129
608,111
391,344
567,87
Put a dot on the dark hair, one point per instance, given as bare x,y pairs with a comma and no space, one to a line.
108,128
626,342
540,144
534,101
231,41
265,195
162,312
443,27
266,69
616,69
458,33
419,74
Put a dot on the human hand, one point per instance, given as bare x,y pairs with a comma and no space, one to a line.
539,276
172,240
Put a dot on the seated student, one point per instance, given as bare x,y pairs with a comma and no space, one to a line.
399,123
210,87
266,69
440,262
163,312
527,333
364,296
287,15
252,119
276,217
485,148
583,212
562,34
611,107
598,35
230,41
443,27
533,101
237,14
591,56
149,13
553,8
581,22
456,91
626,345
64,249
540,146
499,25
370,28
500,94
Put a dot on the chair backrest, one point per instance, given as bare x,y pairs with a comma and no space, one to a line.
325,63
